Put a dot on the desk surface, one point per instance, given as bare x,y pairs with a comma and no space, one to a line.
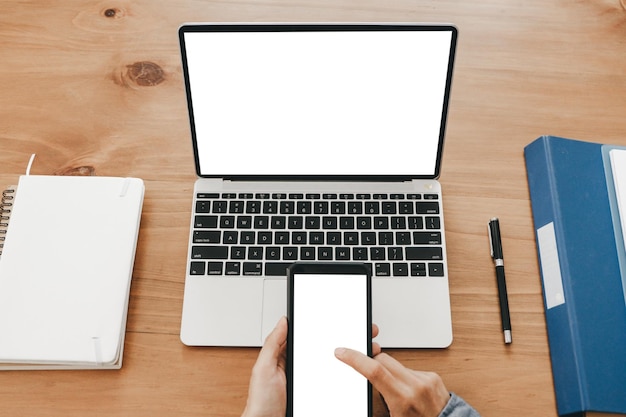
95,87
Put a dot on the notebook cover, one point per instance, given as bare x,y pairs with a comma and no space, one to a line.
65,271
581,276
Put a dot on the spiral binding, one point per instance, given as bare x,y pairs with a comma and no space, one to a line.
6,204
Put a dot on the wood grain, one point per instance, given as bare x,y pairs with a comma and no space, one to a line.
95,88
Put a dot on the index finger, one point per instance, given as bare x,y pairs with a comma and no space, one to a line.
380,377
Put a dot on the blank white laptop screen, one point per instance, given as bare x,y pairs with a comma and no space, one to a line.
299,103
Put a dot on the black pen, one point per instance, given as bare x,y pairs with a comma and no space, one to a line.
498,258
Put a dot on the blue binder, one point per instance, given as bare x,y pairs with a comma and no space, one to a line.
579,246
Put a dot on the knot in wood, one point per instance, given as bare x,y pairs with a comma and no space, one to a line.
145,73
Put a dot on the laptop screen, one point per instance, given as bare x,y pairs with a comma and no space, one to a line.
327,101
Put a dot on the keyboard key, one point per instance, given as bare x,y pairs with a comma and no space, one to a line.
372,207
205,222
435,269
253,207
403,238
307,253
382,269
206,236
381,223
238,252
342,254
427,238
299,238
215,268
233,268
398,223
325,254
355,207
385,238
329,222
236,207
364,223
303,207
203,206
197,268
207,195
290,253
272,253
405,207
351,238
278,269
418,269
359,254
333,238
368,238
278,222
252,268
270,207
389,207
312,222
427,207
287,207
220,206
320,207
316,238
248,238
433,223
295,222
424,253
227,222
231,237
400,269
265,238
346,223
281,238
395,254
244,222
338,207
255,253
261,222
415,222
377,254
209,252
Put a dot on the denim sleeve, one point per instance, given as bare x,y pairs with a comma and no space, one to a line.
457,407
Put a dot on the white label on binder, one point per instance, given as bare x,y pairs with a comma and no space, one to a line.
550,266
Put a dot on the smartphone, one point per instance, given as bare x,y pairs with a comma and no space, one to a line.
329,306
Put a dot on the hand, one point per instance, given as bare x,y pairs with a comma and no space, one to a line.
267,394
408,393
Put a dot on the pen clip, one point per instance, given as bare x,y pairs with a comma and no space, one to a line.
489,233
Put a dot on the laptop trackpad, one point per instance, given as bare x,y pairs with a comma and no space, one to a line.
274,304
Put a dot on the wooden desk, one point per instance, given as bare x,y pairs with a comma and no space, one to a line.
96,87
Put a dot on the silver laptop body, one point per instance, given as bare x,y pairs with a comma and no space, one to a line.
316,142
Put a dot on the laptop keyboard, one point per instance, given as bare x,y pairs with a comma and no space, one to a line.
258,234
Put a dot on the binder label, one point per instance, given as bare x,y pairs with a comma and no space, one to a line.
550,266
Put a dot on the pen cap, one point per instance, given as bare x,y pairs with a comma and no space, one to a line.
494,239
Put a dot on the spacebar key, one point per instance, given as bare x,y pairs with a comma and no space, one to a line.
209,252
276,268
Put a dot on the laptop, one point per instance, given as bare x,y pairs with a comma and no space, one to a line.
316,142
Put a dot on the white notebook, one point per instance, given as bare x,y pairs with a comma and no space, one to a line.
65,271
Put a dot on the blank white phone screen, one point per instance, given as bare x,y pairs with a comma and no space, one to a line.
330,311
